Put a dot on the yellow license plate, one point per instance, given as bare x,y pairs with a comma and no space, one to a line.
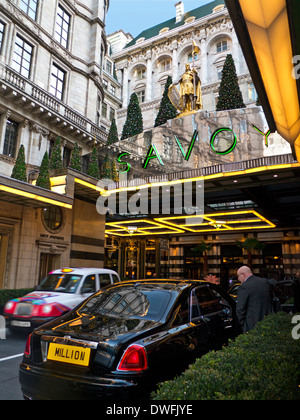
69,354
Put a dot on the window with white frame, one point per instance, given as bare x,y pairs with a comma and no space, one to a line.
113,90
165,65
222,45
10,139
219,72
62,28
104,110
22,57
140,73
2,28
57,81
108,67
252,94
29,7
141,96
98,110
112,114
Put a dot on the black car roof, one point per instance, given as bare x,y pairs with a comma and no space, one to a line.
163,283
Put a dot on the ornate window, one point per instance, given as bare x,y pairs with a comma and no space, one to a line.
22,57
10,140
62,26
2,27
104,110
165,65
141,96
57,81
222,46
140,74
29,7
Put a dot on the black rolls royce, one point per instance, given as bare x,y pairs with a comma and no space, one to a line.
123,340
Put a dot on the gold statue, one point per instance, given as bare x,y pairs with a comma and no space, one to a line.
189,97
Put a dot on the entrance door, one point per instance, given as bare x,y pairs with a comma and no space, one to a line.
3,257
47,264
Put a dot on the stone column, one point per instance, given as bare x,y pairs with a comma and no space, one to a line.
125,87
175,62
148,92
203,76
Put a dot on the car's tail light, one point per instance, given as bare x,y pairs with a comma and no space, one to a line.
27,350
134,359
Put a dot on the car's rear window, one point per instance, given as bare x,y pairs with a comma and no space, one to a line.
129,302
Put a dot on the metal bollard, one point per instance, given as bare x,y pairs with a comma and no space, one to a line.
2,328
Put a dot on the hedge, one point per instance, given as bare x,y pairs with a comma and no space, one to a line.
8,294
263,364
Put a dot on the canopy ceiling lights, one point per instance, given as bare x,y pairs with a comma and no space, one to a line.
212,222
267,31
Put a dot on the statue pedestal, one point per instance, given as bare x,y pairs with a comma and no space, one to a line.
185,113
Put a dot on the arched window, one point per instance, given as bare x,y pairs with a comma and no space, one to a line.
222,45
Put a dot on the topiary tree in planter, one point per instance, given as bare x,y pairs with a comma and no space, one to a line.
75,161
43,179
113,136
134,121
109,169
93,168
230,95
55,158
167,110
19,170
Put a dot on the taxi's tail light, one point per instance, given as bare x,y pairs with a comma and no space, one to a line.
27,350
134,359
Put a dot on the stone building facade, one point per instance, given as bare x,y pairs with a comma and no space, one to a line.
51,67
51,59
144,63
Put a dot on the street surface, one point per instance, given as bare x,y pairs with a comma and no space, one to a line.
11,351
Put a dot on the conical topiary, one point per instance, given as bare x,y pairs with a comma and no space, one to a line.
19,170
230,95
44,173
167,110
75,162
114,171
55,158
93,168
113,136
109,169
134,121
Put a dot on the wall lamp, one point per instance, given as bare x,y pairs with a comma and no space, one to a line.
269,36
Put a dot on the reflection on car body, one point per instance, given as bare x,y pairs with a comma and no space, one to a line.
125,339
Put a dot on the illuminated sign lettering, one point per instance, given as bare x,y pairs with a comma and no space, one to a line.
266,135
222,142
188,154
128,166
229,141
150,155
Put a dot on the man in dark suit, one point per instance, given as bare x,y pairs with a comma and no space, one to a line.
254,298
